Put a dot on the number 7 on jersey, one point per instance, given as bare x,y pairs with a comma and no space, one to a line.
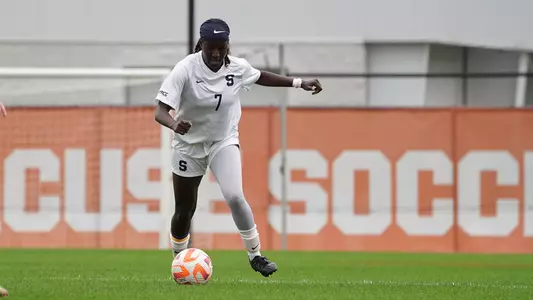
219,97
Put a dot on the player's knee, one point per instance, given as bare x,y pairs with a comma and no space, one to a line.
184,215
236,200
184,211
185,207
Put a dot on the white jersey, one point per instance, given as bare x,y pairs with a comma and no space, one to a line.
209,100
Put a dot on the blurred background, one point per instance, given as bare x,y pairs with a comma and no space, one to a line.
420,140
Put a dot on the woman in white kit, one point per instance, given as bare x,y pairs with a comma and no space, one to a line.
204,90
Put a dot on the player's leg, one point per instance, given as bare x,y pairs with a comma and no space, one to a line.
185,199
186,178
226,166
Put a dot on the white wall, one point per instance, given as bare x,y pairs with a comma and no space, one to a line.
444,91
441,91
492,91
395,91
529,84
494,23
480,92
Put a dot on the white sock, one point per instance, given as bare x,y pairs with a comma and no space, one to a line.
179,245
251,242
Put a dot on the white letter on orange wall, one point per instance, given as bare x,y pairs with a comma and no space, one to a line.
407,216
469,193
380,198
140,186
314,196
528,194
15,167
110,196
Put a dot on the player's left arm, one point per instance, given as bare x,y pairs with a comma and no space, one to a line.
276,80
252,75
3,109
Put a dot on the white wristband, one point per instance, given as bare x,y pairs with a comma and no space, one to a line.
297,82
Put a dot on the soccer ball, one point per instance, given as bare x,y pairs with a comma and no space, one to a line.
192,266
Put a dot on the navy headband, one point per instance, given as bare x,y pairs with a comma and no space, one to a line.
214,29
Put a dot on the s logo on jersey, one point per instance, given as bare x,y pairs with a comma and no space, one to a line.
229,79
165,94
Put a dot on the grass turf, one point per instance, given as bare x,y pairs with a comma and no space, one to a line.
110,274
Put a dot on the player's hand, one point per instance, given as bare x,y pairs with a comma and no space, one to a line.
3,291
3,110
312,85
181,127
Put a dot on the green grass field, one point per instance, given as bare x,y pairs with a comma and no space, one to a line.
97,274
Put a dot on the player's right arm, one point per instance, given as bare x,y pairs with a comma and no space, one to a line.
169,97
163,117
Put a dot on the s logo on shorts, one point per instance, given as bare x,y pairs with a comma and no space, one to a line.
183,165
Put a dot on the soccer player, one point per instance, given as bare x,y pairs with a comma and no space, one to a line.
3,109
3,291
204,90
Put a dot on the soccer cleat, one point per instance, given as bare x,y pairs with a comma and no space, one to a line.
264,266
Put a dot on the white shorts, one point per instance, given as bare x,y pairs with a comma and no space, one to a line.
191,160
